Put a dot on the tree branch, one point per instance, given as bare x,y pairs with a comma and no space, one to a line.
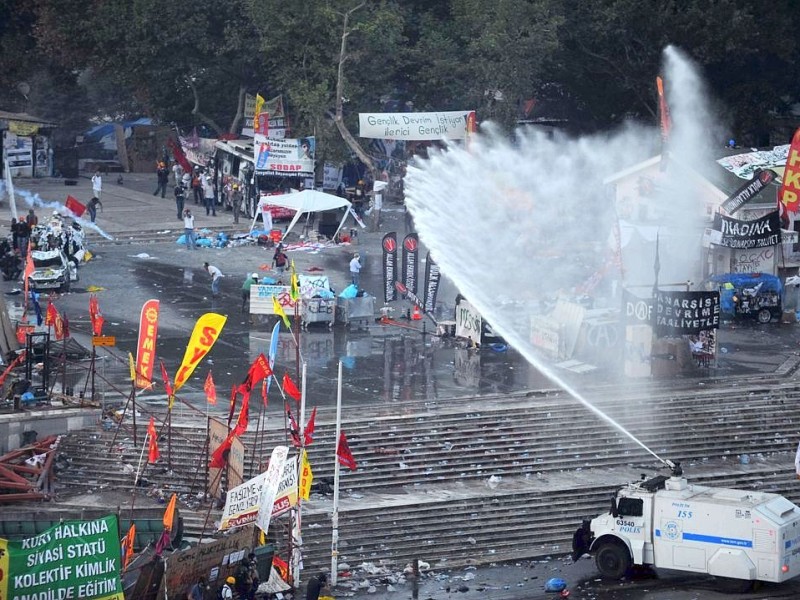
239,109
339,116
196,109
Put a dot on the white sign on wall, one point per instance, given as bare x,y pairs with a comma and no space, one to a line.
468,321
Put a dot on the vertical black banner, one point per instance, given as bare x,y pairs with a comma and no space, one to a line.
410,261
389,245
432,278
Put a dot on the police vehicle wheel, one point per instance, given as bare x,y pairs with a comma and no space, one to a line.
764,316
613,560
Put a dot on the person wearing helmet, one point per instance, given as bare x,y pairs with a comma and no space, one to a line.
251,279
226,592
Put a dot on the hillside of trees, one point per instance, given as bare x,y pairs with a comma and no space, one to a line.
595,63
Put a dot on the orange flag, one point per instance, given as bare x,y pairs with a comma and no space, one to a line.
210,389
153,454
127,546
169,514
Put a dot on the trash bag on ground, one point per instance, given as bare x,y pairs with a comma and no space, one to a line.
351,291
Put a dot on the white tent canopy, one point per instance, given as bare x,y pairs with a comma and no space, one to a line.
304,202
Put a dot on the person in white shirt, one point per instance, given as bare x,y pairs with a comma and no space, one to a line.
177,172
188,229
355,269
216,275
97,184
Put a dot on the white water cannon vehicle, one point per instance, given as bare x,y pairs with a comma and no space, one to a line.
667,523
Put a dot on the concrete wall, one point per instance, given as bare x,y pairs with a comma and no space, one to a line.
44,422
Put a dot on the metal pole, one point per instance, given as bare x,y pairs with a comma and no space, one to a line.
133,399
12,202
335,514
296,533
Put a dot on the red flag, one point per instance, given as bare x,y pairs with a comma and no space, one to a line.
167,384
343,454
290,388
264,392
233,405
66,324
259,370
789,194
210,389
29,269
308,433
95,316
244,415
153,454
281,567
75,207
220,455
294,428
50,315
180,157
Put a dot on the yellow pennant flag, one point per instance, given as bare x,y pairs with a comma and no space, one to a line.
306,477
132,366
276,306
205,333
294,291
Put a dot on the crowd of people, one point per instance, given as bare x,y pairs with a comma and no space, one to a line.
28,232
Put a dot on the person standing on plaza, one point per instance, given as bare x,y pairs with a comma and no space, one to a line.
208,196
14,234
177,172
92,205
188,229
251,279
97,184
23,235
162,178
180,198
32,219
236,201
355,269
279,259
197,186
216,275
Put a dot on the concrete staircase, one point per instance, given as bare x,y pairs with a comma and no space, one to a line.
477,480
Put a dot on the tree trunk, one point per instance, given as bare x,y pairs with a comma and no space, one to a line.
239,109
196,109
339,118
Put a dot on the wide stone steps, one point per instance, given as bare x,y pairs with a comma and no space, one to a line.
482,444
450,448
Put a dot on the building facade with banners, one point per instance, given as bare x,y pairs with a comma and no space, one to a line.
27,145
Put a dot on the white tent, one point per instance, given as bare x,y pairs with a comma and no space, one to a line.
304,202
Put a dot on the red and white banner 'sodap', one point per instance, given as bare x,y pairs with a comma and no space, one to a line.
790,190
146,349
206,331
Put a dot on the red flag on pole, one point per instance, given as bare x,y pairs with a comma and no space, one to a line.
153,454
74,206
210,389
220,455
244,415
94,315
167,384
789,194
343,454
290,388
308,433
51,314
294,428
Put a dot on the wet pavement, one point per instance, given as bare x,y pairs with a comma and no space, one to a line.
383,365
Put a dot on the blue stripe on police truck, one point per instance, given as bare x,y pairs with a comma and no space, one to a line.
713,539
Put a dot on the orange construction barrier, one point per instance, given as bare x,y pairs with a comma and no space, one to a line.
416,315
